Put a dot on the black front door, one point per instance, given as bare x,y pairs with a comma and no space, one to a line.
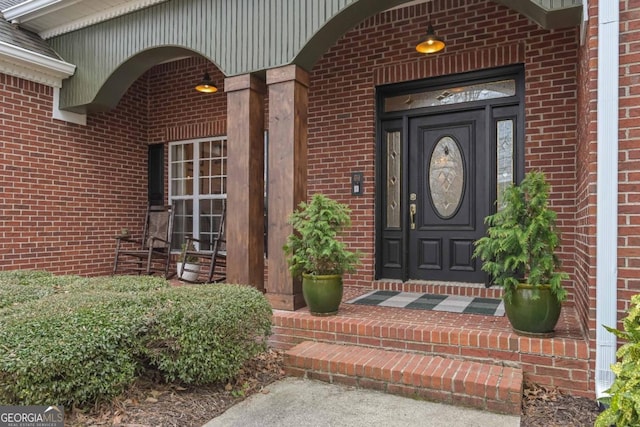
446,149
448,198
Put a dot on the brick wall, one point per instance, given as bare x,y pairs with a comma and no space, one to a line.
176,110
479,34
629,157
66,189
585,241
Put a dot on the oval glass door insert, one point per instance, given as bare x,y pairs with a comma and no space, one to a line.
446,177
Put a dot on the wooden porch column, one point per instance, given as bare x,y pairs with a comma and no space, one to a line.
287,176
245,180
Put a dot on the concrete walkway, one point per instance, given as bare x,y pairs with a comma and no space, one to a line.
298,402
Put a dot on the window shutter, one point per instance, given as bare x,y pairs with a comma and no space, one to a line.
156,174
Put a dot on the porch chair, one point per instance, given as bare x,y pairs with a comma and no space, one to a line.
212,260
152,253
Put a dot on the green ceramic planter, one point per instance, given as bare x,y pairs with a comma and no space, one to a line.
533,317
322,294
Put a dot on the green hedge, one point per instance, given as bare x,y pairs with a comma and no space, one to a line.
76,341
69,349
22,286
205,334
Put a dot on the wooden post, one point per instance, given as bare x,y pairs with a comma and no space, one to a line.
245,180
287,177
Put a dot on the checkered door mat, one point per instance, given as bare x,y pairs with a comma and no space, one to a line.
420,301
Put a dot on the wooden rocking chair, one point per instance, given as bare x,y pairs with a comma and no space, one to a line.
211,266
152,253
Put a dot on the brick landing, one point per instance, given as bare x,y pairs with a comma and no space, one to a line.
479,385
561,361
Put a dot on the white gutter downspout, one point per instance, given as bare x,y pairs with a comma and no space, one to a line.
607,191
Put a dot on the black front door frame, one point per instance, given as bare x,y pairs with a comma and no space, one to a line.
391,259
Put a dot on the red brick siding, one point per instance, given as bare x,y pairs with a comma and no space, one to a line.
479,34
586,168
68,189
176,110
629,156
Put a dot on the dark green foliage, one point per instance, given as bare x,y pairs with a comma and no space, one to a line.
22,286
77,341
205,334
313,248
624,394
127,284
522,239
68,349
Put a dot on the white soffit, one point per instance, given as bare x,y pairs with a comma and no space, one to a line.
49,18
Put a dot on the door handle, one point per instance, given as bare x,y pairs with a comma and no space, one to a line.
412,215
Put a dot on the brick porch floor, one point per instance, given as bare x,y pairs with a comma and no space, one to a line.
469,343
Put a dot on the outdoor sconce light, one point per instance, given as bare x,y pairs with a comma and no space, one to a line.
206,85
432,43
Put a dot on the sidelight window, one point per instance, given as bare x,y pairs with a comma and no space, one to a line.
504,140
394,161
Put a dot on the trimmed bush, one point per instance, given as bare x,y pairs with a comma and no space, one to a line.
127,284
75,341
22,286
205,334
69,349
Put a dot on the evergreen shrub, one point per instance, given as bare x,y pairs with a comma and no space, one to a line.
69,349
76,341
205,334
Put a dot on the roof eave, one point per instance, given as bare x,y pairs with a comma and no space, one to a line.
33,66
31,8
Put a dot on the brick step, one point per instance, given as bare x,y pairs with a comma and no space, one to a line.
457,382
561,361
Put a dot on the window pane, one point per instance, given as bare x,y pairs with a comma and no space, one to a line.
505,158
453,95
181,169
210,217
182,222
212,171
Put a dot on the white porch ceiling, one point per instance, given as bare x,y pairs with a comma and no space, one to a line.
50,18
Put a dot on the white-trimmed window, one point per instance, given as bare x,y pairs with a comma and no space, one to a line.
197,188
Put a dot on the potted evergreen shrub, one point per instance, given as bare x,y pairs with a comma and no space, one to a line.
314,252
518,253
187,264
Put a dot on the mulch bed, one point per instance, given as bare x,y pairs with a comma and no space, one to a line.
151,403
543,407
